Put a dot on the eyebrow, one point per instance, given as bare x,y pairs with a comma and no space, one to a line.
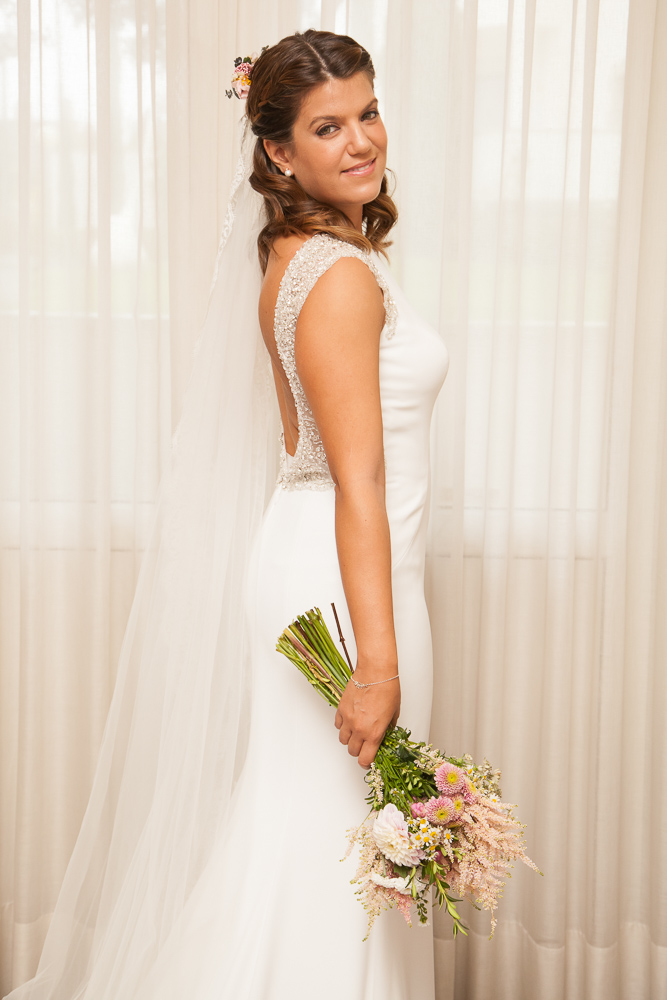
336,118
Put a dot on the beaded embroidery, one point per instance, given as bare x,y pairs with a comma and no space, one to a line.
308,467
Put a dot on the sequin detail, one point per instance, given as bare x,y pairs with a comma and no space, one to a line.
308,468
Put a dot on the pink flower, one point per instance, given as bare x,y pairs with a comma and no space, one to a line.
242,87
470,793
459,806
440,810
418,809
403,904
449,778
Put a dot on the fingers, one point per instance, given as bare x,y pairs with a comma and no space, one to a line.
354,745
344,734
357,746
354,742
367,753
363,719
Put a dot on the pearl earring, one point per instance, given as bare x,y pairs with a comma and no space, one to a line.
288,172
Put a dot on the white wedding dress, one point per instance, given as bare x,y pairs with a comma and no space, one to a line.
274,917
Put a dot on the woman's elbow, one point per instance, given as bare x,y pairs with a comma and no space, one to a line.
357,482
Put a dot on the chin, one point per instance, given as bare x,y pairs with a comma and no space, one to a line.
369,191
372,194
362,196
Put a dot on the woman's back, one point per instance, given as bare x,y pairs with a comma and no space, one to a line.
282,252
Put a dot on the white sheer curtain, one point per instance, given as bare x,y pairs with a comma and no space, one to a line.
85,409
530,148
547,568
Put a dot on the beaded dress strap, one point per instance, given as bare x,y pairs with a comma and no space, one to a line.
308,468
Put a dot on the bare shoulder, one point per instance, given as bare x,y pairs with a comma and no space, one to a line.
284,248
347,288
282,251
338,334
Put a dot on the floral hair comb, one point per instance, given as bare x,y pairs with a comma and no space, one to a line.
242,73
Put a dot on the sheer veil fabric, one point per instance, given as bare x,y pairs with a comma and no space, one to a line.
175,734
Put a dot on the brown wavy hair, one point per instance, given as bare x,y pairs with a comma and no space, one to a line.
282,76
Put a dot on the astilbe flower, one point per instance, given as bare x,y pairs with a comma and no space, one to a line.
487,843
402,903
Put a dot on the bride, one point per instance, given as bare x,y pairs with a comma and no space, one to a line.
208,864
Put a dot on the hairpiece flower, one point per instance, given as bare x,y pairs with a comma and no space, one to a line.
243,66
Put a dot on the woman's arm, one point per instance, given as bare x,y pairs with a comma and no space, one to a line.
337,359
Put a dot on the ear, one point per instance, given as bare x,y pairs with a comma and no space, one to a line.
278,154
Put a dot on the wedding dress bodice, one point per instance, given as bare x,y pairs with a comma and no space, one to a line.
308,468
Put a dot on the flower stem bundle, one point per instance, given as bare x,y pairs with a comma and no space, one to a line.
307,643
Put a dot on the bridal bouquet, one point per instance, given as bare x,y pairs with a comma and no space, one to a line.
435,821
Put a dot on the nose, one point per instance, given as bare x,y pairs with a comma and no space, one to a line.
358,139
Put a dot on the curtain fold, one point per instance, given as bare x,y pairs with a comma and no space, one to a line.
85,410
547,547
530,152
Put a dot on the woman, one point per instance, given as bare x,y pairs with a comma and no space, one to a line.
259,905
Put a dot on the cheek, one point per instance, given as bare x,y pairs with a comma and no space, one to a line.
320,162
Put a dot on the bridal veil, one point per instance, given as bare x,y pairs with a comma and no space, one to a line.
174,739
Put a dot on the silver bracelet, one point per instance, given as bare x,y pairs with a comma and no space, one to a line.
371,683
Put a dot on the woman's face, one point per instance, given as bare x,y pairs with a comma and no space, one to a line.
339,148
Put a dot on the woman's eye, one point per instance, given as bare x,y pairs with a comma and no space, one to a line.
324,130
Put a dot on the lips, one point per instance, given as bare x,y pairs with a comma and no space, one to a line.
358,167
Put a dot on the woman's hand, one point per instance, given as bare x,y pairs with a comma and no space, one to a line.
364,715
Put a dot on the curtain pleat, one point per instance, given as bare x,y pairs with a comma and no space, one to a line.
542,596
530,151
85,409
